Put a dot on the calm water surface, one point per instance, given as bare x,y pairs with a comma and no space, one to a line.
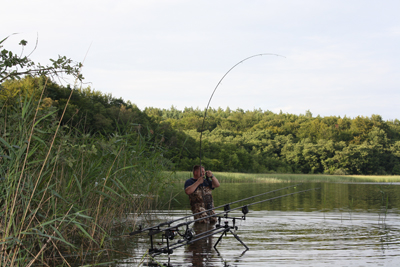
336,225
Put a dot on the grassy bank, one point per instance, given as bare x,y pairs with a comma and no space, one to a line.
227,177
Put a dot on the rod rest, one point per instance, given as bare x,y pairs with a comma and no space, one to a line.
227,207
163,250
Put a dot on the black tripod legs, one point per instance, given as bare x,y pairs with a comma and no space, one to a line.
235,235
238,239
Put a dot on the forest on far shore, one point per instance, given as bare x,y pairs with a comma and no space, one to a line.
252,141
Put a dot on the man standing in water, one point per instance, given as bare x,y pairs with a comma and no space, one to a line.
199,191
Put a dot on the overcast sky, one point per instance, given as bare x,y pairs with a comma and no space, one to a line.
337,57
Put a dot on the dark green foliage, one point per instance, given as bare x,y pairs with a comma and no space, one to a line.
262,141
95,113
233,141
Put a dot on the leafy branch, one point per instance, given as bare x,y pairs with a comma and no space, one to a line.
13,66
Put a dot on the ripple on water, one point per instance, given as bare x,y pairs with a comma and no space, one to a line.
296,238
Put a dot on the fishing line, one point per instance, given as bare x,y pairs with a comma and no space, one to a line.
216,87
222,206
254,203
219,229
157,229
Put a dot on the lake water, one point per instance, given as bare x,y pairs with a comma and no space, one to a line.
333,225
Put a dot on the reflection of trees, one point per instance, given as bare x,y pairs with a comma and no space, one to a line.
200,252
330,196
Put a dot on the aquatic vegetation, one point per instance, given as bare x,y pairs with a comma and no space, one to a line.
62,192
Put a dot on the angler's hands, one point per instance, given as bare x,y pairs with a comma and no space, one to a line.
213,179
190,189
199,176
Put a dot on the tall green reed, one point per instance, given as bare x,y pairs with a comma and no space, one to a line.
63,191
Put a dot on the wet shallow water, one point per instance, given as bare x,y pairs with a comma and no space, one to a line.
296,238
340,225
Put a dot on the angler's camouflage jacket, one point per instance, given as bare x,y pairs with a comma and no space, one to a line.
201,200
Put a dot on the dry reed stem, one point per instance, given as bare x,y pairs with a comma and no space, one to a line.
23,169
22,172
43,195
44,163
27,209
49,239
60,253
102,190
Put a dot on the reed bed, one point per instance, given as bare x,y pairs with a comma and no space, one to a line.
63,192
227,177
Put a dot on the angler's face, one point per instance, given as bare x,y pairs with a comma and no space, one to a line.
198,174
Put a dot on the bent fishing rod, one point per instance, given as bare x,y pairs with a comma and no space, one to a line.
216,87
201,133
208,105
171,231
225,206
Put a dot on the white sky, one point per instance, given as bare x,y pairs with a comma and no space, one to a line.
340,57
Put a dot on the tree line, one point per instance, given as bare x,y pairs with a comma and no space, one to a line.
263,141
232,140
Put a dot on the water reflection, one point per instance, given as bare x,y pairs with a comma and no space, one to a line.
330,196
338,225
201,252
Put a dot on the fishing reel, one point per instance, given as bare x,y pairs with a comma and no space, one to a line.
189,234
224,226
169,234
209,178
